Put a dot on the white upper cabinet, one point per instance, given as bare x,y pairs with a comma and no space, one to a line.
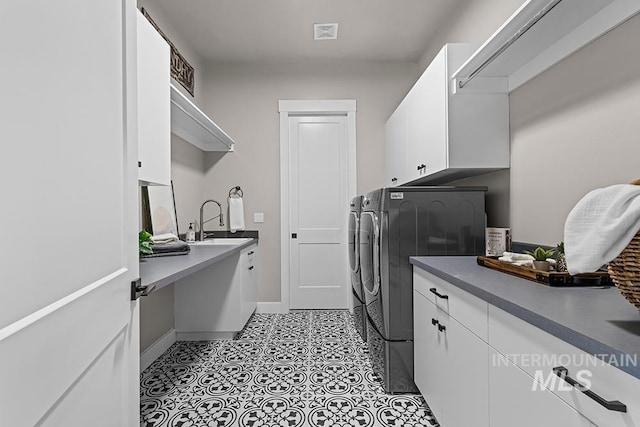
396,146
539,34
448,135
154,133
163,110
428,122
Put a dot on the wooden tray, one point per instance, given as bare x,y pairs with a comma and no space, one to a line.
549,278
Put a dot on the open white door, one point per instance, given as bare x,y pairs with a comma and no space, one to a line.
68,328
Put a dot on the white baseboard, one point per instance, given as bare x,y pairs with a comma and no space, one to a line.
269,307
204,336
156,349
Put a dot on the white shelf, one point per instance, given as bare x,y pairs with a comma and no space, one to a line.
567,27
191,124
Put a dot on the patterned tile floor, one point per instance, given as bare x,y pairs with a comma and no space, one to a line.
306,368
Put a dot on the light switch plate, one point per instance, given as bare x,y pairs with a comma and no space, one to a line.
258,217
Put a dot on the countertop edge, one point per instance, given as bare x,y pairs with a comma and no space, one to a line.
182,273
570,336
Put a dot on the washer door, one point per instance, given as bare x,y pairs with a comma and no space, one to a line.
370,255
354,249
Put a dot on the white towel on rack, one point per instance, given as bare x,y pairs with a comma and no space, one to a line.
236,214
600,226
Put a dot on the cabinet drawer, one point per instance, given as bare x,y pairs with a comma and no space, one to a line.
467,309
514,402
537,352
248,254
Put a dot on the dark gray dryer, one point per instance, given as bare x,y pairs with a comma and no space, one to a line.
397,223
359,314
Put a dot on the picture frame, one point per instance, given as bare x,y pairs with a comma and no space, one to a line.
159,210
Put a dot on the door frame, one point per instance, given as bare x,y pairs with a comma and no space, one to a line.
287,108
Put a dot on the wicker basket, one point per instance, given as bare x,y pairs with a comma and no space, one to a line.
625,269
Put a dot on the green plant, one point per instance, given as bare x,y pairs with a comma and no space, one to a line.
145,242
541,254
560,249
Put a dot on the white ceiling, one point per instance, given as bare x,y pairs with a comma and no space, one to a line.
259,31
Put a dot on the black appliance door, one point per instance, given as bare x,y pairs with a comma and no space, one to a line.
366,251
354,249
354,255
370,266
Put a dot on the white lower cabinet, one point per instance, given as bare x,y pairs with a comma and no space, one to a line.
249,282
515,399
476,364
216,302
451,365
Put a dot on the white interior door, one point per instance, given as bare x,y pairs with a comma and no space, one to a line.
68,330
319,209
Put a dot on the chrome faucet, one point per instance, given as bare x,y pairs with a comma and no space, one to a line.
203,222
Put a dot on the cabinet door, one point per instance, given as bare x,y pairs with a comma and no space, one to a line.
427,131
466,382
429,369
396,147
514,401
250,284
154,108
209,301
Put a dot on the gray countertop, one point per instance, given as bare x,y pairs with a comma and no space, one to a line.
596,320
162,271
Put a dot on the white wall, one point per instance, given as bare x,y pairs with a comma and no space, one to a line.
243,99
471,21
574,128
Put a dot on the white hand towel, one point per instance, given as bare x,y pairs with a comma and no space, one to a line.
600,226
236,214
164,238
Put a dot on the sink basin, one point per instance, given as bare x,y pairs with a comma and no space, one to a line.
223,241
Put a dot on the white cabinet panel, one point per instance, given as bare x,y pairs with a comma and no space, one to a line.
217,301
515,400
396,146
466,376
249,281
428,122
428,357
154,119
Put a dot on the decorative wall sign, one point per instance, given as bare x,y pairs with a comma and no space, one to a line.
181,70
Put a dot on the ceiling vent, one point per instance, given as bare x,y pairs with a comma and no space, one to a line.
325,31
